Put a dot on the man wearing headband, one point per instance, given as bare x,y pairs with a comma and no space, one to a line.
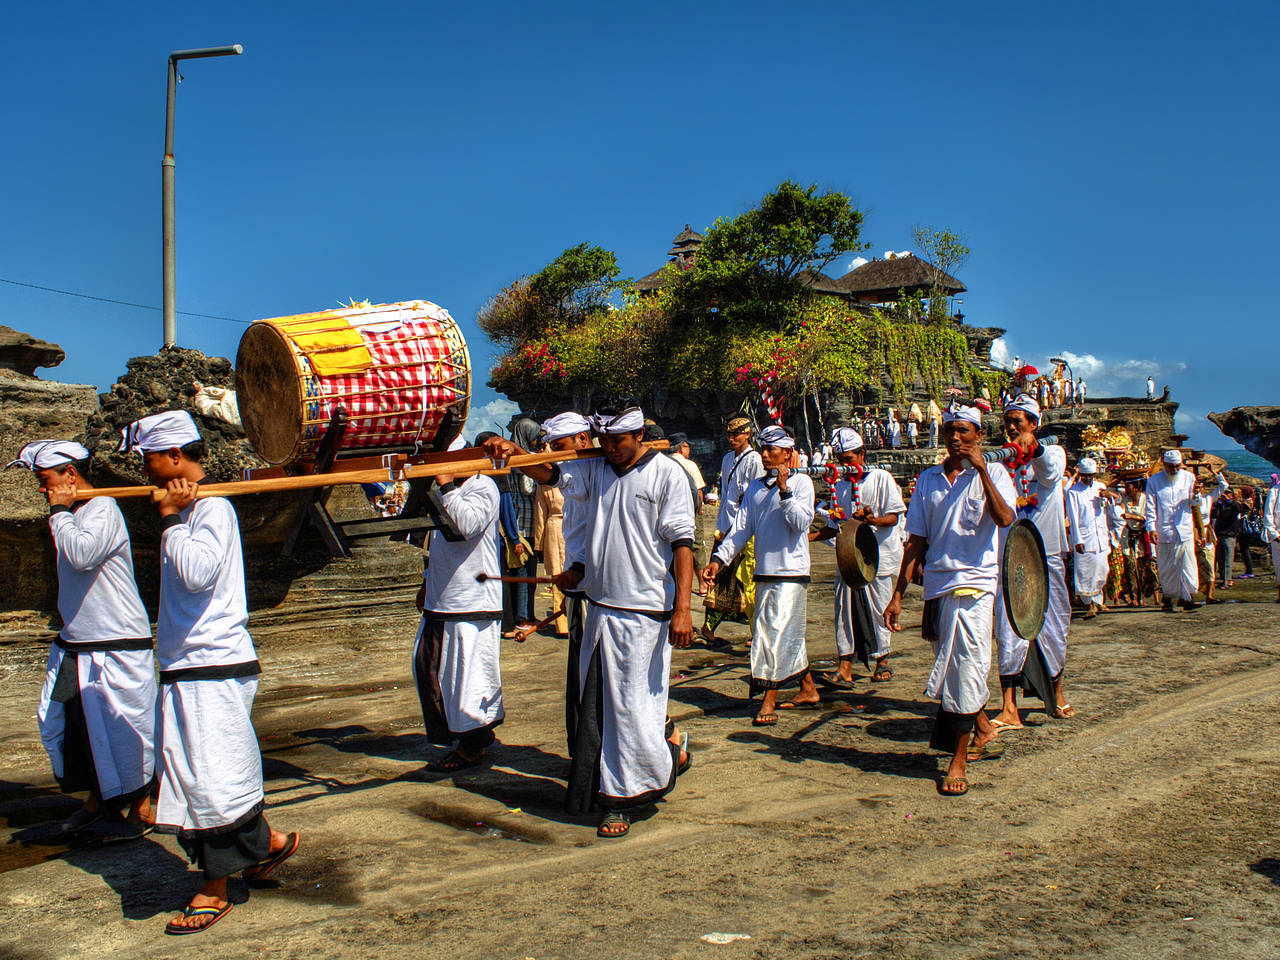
1271,527
638,529
1038,483
876,499
97,706
732,594
1174,524
952,524
1090,538
209,762
562,433
776,512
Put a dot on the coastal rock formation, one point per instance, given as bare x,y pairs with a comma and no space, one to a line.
22,352
1257,429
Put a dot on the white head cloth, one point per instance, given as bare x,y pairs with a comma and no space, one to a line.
159,431
457,443
1088,466
630,420
776,436
1026,403
846,440
1172,457
46,454
567,424
958,411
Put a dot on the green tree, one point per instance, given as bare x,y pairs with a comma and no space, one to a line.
750,267
946,250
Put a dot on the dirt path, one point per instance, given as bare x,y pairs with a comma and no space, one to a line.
1144,828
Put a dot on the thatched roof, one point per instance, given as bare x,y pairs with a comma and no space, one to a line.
651,281
820,283
882,279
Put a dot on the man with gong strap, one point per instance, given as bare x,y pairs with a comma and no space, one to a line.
1037,472
952,522
636,570
873,497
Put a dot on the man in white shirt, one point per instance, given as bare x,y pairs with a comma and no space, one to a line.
952,522
874,498
208,757
732,594
1151,388
1206,554
1173,522
456,656
1271,527
1037,475
636,569
776,512
97,706
1090,538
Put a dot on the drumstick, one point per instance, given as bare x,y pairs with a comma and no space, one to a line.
524,633
483,577
306,481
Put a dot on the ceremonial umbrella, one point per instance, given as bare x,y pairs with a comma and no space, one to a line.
953,392
1028,371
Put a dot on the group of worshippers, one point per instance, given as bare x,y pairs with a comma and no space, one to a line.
108,727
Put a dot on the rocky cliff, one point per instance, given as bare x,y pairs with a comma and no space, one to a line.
1257,429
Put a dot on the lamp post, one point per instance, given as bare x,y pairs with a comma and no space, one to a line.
167,168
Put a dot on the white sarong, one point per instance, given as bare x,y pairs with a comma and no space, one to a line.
210,765
962,653
118,696
1053,635
778,652
635,666
1090,576
879,593
1176,566
470,673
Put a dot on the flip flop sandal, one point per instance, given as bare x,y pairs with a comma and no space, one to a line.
453,763
799,705
124,832
882,676
834,681
80,819
764,720
992,751
260,869
952,782
612,820
1064,712
1001,725
215,913
688,757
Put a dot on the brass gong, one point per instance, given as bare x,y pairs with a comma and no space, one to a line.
857,553
1024,576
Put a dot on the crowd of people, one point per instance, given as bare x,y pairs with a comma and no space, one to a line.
615,525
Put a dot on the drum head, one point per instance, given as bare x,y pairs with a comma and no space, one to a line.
269,393
1025,579
857,553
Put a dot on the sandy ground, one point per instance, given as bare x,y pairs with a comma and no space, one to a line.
1144,828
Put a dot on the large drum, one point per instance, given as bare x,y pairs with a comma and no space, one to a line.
400,371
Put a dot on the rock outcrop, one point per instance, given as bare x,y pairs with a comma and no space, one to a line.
22,353
1257,429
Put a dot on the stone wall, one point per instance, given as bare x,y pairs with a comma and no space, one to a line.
1257,429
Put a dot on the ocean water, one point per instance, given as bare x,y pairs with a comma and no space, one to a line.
1242,461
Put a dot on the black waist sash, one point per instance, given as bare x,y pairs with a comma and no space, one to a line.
781,578
125,643
659,615
214,671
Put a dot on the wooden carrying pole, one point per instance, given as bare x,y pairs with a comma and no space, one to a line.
463,468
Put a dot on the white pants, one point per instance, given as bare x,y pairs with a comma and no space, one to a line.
1053,635
635,666
962,653
1090,576
778,629
1176,566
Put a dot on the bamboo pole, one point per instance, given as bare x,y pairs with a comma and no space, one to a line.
412,471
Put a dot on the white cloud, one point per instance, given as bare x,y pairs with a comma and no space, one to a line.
1000,355
856,262
494,415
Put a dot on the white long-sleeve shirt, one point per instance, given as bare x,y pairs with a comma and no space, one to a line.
736,473
956,520
97,595
450,578
1045,484
1271,515
780,524
634,520
880,493
1087,509
1169,500
204,616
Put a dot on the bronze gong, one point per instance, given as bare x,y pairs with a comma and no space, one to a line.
857,553
1024,577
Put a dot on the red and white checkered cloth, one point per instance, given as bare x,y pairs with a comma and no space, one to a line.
418,357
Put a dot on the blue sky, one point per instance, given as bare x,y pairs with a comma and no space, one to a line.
1111,165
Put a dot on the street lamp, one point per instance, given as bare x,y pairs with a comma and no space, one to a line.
167,167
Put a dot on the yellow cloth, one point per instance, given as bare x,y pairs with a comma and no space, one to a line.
333,346
967,592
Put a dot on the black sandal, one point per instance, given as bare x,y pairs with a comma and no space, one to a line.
613,819
454,762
